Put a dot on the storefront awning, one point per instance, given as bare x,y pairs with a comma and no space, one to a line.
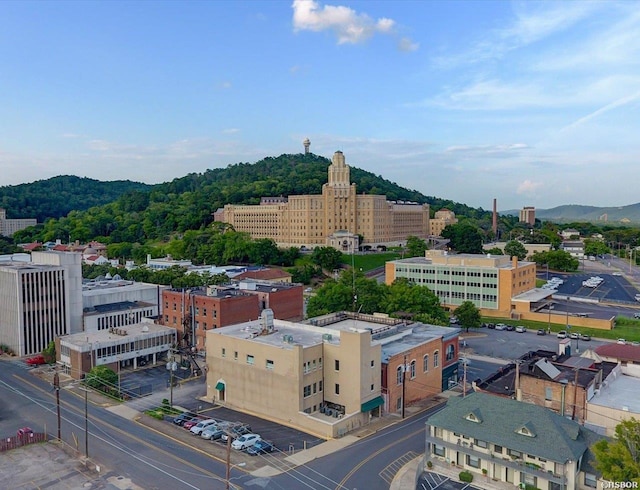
371,404
220,386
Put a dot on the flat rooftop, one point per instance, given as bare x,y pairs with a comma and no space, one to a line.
97,288
464,260
619,393
284,333
124,306
411,336
141,329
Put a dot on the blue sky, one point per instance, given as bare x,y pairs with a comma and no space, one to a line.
532,103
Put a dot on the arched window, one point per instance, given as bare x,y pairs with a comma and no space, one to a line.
436,359
425,363
399,375
451,352
413,369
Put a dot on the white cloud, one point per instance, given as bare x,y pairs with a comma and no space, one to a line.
528,187
406,44
230,131
349,26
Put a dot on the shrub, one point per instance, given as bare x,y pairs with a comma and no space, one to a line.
465,477
484,471
429,464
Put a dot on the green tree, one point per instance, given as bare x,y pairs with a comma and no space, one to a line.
514,248
595,247
464,237
102,378
407,297
468,315
49,353
332,297
327,257
619,459
495,251
558,260
415,246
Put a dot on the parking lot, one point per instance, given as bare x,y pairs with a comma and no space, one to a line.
614,288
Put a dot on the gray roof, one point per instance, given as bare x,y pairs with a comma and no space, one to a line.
556,438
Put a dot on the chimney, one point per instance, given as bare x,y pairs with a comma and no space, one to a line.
495,219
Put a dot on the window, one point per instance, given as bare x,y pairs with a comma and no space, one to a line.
307,391
438,450
425,363
320,363
337,389
315,388
235,355
371,387
224,352
337,365
373,363
473,461
590,480
548,393
480,443
399,375
249,359
399,403
269,364
412,368
320,385
436,360
497,449
451,352
514,454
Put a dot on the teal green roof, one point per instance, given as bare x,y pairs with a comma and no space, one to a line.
550,436
220,386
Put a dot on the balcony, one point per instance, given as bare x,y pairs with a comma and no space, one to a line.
500,459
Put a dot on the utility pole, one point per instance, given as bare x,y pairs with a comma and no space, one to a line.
404,382
86,423
56,385
575,394
228,472
464,377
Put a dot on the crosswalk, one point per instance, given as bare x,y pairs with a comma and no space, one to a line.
389,472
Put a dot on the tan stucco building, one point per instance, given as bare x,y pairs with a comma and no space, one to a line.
441,220
309,220
320,379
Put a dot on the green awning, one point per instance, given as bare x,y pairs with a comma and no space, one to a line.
371,404
220,386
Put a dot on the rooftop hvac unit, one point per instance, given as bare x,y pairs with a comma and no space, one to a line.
329,412
335,414
326,336
322,409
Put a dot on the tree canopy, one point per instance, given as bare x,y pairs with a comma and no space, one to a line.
619,459
416,247
468,315
515,249
558,260
464,237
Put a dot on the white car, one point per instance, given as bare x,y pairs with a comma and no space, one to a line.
501,326
521,329
245,441
200,426
562,334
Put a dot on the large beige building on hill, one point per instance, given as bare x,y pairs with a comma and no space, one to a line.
312,220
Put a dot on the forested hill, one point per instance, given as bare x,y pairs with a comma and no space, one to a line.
187,203
56,197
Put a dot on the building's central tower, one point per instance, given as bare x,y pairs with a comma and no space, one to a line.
339,197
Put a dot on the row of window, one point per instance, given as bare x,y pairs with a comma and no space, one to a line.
450,354
137,345
312,389
312,365
123,319
250,359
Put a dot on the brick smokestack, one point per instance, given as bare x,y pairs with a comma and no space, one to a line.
495,219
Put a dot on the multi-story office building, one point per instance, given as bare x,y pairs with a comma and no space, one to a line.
488,281
310,220
9,226
321,379
528,215
441,220
41,300
330,373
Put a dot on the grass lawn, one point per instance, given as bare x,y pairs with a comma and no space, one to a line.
369,261
625,328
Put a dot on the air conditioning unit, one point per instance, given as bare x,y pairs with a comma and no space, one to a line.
329,412
322,409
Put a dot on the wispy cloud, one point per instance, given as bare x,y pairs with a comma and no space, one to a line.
349,26
230,131
623,101
528,187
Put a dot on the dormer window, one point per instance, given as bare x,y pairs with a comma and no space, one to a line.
474,416
527,430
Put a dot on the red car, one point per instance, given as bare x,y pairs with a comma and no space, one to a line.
25,432
36,360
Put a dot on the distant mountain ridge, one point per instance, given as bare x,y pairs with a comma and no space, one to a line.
618,215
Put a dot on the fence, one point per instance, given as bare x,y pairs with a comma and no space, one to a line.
13,442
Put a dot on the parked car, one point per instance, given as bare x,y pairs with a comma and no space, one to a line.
208,432
190,423
245,441
585,337
622,341
260,447
521,329
575,336
24,432
492,326
218,432
184,417
202,425
636,315
541,331
510,328
236,431
501,326
36,360
562,334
